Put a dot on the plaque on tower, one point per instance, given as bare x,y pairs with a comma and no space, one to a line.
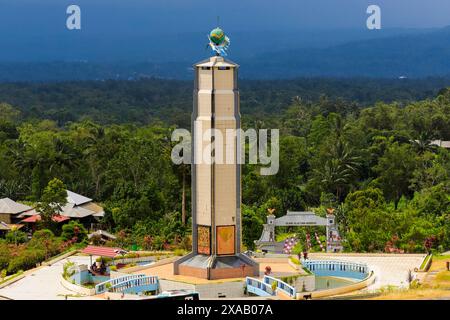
225,240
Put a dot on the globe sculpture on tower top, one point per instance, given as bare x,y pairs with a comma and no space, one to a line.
218,42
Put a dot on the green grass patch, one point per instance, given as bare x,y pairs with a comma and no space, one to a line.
441,257
443,276
290,279
308,272
89,285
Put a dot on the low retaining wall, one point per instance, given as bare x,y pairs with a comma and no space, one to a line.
166,285
11,281
355,254
157,263
307,282
229,289
121,296
134,260
427,265
59,258
341,290
294,265
76,288
259,255
232,289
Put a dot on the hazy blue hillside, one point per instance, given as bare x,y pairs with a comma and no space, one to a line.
387,54
416,55
170,46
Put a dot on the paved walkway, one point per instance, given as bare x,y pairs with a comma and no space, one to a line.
165,271
43,283
390,269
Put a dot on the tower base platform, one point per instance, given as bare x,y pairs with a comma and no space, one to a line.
216,267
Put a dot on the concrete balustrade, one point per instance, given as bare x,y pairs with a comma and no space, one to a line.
264,287
281,285
147,283
102,287
344,269
259,287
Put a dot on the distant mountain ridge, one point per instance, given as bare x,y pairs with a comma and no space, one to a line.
412,54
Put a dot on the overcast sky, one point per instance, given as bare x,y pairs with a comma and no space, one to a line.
156,16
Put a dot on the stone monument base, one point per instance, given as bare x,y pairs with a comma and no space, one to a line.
216,267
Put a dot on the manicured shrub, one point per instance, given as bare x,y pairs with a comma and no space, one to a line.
68,269
104,259
16,237
5,256
27,259
43,234
179,252
74,231
295,260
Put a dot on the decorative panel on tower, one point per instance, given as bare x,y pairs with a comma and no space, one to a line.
225,240
204,240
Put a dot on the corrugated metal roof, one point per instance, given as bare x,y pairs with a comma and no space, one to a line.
98,211
102,233
76,198
9,206
72,211
445,144
77,206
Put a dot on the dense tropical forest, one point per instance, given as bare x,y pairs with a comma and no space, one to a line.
361,147
145,101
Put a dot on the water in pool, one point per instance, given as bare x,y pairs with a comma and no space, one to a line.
323,283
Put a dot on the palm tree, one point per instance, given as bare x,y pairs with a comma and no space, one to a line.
95,151
339,169
65,157
183,171
423,142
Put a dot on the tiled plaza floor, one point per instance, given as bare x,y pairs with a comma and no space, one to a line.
390,269
43,283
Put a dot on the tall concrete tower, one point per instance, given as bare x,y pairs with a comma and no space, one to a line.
216,185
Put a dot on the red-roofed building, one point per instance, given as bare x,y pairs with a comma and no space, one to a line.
37,217
77,207
31,221
103,251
